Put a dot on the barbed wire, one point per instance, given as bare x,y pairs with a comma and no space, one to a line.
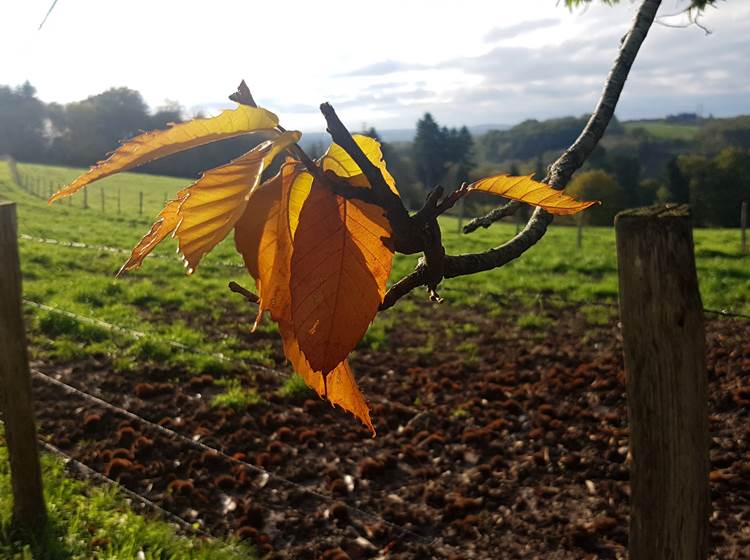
176,436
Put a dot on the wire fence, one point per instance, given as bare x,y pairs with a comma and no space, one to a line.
197,444
44,187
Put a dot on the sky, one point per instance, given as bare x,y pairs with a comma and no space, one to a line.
381,64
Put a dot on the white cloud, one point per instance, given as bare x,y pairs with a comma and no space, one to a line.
385,63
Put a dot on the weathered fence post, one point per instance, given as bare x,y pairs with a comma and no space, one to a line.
579,231
29,512
743,225
119,201
13,167
140,203
85,198
461,213
101,193
665,364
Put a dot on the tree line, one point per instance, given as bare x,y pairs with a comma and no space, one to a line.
631,167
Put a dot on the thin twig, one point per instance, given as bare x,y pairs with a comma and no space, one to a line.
52,7
507,209
247,294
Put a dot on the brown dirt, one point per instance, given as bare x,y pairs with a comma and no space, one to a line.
494,441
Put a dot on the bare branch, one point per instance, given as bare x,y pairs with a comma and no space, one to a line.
559,174
507,209
244,292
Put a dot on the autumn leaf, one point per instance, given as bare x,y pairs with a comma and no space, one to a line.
525,189
206,211
339,386
264,239
263,236
164,225
339,270
160,143
337,160
217,200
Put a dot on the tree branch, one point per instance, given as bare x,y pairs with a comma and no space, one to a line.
405,239
559,173
507,209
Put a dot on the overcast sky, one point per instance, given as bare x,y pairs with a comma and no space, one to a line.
383,63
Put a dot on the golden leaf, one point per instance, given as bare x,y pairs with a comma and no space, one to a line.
525,189
339,386
183,136
164,225
217,200
337,160
209,208
264,238
339,270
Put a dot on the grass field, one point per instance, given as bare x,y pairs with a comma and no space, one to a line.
159,299
194,325
664,130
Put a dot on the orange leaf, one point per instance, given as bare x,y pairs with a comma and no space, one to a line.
337,160
160,143
339,388
263,238
164,225
209,208
339,270
525,189
217,200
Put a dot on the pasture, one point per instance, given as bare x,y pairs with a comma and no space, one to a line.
501,420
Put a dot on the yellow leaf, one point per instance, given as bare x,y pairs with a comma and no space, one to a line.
337,160
339,270
217,200
209,208
164,225
159,143
525,189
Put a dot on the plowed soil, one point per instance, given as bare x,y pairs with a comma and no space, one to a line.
494,441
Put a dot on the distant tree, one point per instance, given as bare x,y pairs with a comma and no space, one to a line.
22,121
718,186
678,185
598,185
429,150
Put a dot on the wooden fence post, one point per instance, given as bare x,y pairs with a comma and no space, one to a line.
101,193
579,231
461,213
29,512
743,225
85,198
665,365
140,203
13,167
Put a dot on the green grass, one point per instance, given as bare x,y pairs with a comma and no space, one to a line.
235,396
95,522
664,130
294,388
